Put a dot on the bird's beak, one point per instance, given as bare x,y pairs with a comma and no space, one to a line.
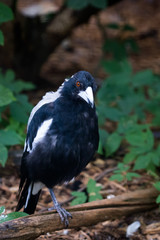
87,95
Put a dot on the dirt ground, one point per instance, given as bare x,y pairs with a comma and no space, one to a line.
109,230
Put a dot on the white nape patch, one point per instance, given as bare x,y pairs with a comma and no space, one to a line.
87,95
36,187
42,130
28,195
132,228
47,98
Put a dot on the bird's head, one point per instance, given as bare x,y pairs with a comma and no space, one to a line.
81,86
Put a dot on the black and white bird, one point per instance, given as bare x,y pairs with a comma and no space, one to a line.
62,137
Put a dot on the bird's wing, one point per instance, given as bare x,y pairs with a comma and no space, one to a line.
36,131
39,125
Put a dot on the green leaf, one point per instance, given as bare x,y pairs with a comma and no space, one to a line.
6,96
113,114
18,112
100,148
113,143
94,197
129,157
114,67
11,216
2,209
77,4
93,190
122,167
113,26
1,38
128,27
142,161
116,47
143,78
21,108
131,175
6,13
157,185
118,177
3,154
9,76
80,198
92,186
154,158
19,86
99,3
103,134
158,199
9,138
158,150
127,125
139,139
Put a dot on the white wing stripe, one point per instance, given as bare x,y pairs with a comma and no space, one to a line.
36,187
43,129
28,195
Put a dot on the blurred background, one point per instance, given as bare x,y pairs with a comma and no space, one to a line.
42,42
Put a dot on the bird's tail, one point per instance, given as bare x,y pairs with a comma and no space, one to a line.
26,198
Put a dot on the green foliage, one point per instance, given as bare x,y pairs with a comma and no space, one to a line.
1,38
128,100
123,173
6,96
10,216
157,186
80,4
5,16
92,193
113,143
80,198
14,112
125,98
120,48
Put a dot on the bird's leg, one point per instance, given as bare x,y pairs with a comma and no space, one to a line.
64,215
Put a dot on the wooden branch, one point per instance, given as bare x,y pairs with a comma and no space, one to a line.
153,228
32,226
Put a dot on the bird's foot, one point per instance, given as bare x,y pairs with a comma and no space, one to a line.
64,215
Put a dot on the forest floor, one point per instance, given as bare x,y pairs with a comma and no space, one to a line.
109,230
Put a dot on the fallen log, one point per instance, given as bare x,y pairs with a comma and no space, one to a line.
87,214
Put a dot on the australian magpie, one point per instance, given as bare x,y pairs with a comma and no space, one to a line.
62,137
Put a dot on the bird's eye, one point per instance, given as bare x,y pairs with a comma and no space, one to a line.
78,84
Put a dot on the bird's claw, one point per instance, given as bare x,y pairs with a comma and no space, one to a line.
64,215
